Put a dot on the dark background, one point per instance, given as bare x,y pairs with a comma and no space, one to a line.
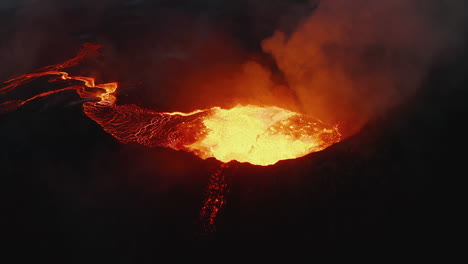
73,193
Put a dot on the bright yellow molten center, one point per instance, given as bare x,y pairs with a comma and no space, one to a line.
261,135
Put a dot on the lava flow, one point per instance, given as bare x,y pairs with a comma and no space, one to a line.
253,134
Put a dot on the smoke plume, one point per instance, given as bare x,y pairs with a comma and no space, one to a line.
353,60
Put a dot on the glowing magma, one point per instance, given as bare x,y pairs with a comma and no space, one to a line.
253,134
261,135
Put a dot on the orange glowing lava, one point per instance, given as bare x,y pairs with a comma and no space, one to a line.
261,135
253,134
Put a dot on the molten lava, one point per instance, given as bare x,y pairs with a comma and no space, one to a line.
261,135
253,134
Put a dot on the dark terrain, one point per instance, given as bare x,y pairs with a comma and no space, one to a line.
74,194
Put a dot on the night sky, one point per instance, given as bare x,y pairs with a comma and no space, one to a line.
71,193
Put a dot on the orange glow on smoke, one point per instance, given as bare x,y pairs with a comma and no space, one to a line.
261,135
